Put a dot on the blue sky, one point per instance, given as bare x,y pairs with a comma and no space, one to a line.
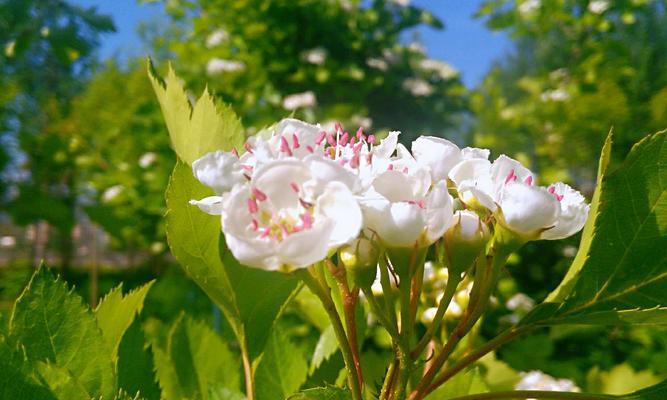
465,43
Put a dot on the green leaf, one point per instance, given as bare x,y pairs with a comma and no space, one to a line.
53,325
61,382
567,284
250,298
655,392
135,364
209,126
196,360
623,279
16,382
326,346
461,384
322,393
223,393
282,369
116,312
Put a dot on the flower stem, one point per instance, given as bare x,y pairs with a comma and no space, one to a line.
314,285
450,290
535,394
476,354
249,379
388,292
379,313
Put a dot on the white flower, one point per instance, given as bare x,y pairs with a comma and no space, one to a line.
147,159
377,63
401,3
529,6
112,193
218,65
538,380
299,100
506,187
438,155
598,6
440,68
316,56
558,95
418,87
276,222
402,208
217,37
520,302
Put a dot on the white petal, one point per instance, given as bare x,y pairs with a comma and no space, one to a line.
305,133
325,170
275,179
219,170
474,152
339,205
387,146
438,154
472,178
502,168
439,208
210,205
300,250
573,215
528,209
397,224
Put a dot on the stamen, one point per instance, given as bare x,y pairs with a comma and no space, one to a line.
259,195
354,163
528,180
331,140
235,152
371,139
254,224
284,146
307,220
353,141
266,233
310,148
360,133
510,177
343,139
252,205
391,167
405,170
294,187
247,147
338,127
305,204
295,141
320,138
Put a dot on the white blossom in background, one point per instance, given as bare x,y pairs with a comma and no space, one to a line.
217,37
418,87
316,56
440,68
7,242
147,159
401,3
520,302
529,6
377,63
112,193
218,65
557,95
299,100
598,6
538,380
417,47
45,31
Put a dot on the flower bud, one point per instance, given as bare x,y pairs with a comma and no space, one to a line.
465,240
360,259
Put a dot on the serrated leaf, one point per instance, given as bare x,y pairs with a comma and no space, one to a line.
187,368
623,279
326,346
250,298
61,382
223,393
282,369
53,325
566,285
16,382
195,131
322,393
135,364
116,312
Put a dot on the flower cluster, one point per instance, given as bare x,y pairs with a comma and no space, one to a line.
298,193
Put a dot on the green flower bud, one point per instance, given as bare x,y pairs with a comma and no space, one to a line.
465,240
360,259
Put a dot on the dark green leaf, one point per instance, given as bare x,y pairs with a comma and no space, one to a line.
135,364
322,393
281,370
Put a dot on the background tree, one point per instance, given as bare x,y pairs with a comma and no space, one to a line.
49,53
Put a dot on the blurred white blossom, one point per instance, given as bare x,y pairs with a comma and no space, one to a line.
538,380
529,6
315,56
147,159
418,87
377,63
217,37
218,65
299,100
111,193
441,68
598,6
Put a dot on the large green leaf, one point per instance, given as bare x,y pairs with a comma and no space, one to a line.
135,364
323,393
623,279
61,382
250,298
195,361
52,325
282,369
116,312
16,382
655,392
209,126
326,346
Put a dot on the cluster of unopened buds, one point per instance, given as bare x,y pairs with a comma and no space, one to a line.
298,193
370,213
